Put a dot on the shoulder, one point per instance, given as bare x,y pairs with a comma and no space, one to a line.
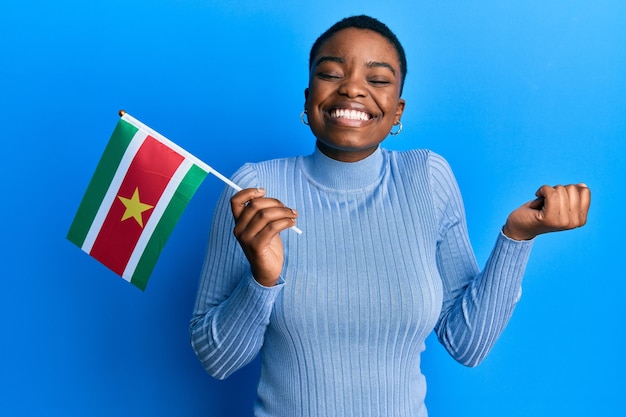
253,174
435,164
436,173
415,156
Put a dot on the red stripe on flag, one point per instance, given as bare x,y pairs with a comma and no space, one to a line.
149,172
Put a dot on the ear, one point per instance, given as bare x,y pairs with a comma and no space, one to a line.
306,96
399,110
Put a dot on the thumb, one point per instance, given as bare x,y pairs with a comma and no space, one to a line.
537,204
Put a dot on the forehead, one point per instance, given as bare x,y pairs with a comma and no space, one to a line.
360,43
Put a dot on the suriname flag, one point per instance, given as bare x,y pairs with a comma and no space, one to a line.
139,190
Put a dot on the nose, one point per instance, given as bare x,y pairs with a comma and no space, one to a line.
353,86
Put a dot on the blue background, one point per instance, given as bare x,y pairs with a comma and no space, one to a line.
514,94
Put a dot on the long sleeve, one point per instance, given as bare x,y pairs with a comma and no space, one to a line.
477,305
383,259
232,310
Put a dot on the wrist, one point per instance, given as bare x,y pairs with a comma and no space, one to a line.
511,233
265,282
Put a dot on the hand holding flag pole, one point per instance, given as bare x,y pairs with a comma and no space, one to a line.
139,190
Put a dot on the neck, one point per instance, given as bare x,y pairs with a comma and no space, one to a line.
344,176
345,155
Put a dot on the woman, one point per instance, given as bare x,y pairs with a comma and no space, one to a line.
340,313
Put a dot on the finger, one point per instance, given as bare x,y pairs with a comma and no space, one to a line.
540,202
574,205
239,201
585,202
563,220
265,234
252,207
554,214
260,214
543,191
549,196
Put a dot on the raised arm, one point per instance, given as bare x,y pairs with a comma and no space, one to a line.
478,304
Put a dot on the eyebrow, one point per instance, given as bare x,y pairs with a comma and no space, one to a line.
339,60
329,59
376,64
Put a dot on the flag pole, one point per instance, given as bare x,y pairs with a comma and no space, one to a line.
127,117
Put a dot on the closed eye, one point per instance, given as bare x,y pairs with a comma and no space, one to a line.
379,82
328,76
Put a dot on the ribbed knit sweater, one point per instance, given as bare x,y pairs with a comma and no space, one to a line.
383,259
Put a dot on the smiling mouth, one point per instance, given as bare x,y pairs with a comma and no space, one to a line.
349,114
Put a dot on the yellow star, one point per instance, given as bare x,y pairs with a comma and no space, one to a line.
134,207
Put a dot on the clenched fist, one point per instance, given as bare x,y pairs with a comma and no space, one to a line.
562,207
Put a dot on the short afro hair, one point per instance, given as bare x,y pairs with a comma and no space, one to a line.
366,23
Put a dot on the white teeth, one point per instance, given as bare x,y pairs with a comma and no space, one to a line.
349,114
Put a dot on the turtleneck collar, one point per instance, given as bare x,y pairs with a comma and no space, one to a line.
344,176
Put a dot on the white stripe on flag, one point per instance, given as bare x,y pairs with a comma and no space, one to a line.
155,218
111,194
202,165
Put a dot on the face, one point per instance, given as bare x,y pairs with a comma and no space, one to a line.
353,99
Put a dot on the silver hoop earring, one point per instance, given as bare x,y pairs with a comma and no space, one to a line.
397,132
304,122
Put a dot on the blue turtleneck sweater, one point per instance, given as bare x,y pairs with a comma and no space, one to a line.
384,259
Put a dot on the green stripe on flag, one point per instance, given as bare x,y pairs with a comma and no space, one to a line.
99,184
172,213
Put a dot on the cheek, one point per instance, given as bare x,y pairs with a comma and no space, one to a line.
389,101
315,97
